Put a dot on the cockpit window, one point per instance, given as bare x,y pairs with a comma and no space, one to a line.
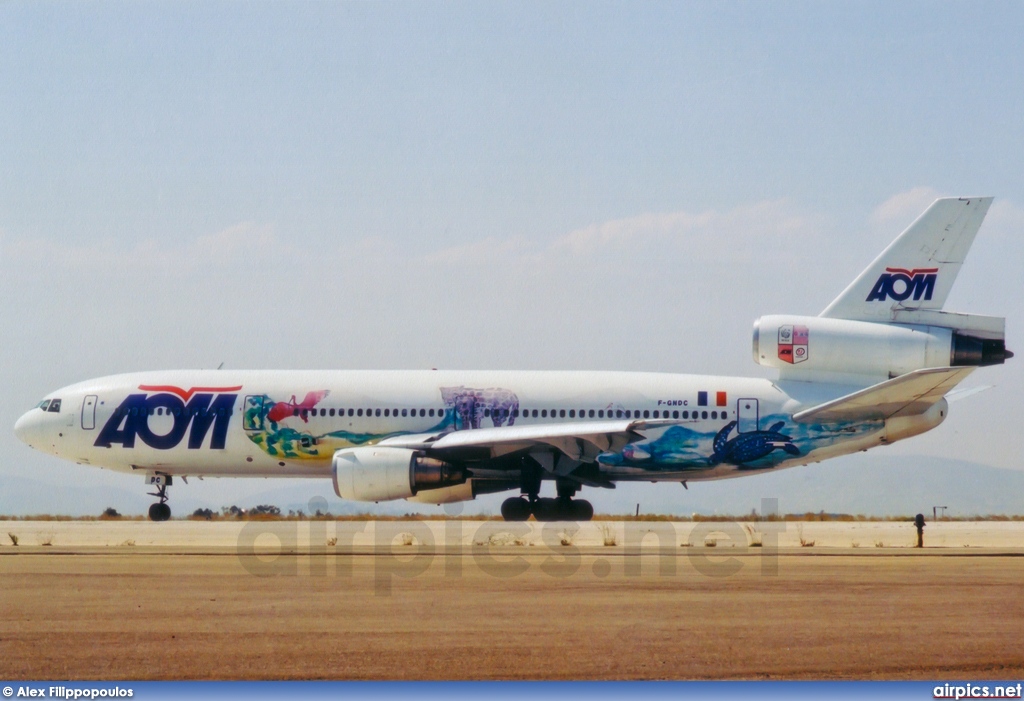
43,404
54,406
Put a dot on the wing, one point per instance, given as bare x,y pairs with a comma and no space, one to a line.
906,395
581,441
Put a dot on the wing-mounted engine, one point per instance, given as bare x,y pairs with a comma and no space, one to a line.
378,473
803,347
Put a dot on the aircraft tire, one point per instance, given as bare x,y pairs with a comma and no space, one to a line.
159,512
515,509
547,510
581,510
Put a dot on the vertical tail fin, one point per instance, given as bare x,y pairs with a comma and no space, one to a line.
917,270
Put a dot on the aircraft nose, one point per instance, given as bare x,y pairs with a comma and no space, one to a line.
27,428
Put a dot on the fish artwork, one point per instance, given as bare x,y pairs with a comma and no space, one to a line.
282,410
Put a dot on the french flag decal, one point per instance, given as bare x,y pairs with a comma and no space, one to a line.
721,398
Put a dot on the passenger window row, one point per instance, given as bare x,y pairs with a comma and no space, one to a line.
615,414
304,413
525,413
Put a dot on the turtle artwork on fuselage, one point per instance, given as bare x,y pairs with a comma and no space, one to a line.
750,446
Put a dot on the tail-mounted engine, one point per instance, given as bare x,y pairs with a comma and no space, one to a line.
824,346
381,474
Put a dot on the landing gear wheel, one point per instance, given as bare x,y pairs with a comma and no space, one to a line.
159,512
515,509
563,510
581,510
547,510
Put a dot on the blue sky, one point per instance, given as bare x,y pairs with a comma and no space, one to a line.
486,185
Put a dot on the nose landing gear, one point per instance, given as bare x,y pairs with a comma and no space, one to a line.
160,511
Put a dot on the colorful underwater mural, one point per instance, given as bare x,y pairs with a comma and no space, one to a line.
681,447
282,429
266,425
271,424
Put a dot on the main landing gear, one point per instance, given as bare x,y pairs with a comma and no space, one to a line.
160,511
563,508
521,508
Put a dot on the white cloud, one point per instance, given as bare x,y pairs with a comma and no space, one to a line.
775,219
488,250
904,207
236,243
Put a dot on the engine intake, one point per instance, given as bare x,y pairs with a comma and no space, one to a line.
381,474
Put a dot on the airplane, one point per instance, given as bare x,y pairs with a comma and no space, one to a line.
873,368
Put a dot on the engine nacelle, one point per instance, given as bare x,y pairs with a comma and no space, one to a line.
821,345
377,473
445,495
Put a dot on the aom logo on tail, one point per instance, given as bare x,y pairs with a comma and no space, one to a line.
161,420
900,283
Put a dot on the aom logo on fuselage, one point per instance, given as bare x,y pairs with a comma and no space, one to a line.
161,420
900,283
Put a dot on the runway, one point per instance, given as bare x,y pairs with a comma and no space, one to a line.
504,607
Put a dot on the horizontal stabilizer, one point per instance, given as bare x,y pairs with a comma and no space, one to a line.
965,392
906,395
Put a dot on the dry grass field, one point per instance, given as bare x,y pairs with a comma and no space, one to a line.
529,613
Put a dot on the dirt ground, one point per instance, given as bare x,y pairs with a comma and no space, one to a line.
131,614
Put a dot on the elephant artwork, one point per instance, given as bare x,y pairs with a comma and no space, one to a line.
470,406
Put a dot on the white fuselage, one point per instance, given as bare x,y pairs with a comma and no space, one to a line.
290,423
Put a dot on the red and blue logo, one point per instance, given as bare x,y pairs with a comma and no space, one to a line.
794,343
161,420
899,284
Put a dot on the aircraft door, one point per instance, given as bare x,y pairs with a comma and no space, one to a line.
89,412
746,416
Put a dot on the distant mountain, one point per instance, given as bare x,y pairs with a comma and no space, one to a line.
859,484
